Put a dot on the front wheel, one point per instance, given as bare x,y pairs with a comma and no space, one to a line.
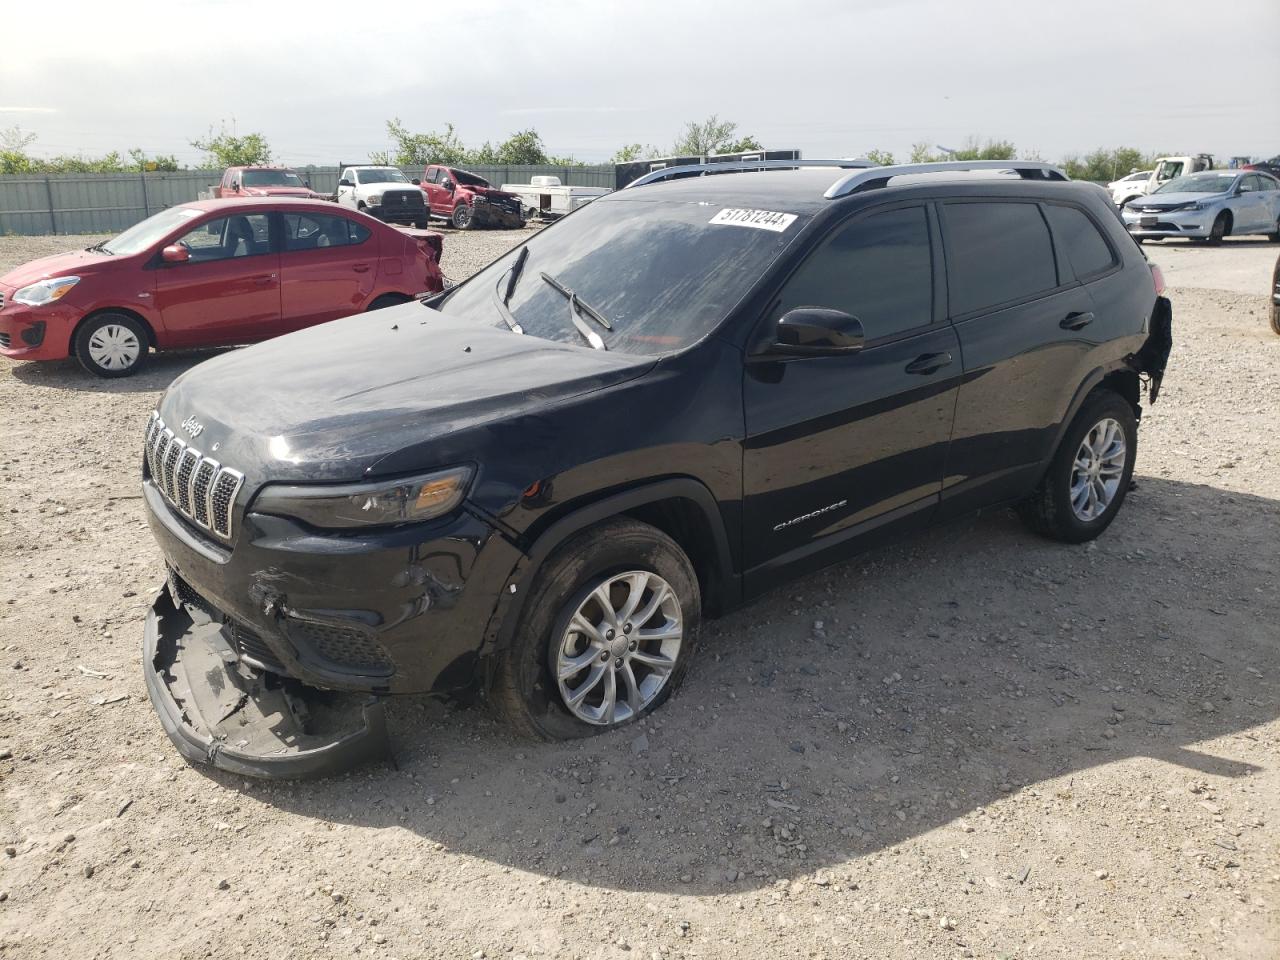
112,345
1218,230
1274,236
462,217
1087,480
387,300
605,636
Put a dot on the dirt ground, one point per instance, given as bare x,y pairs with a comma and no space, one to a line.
972,743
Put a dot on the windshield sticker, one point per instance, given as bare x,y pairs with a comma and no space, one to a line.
759,219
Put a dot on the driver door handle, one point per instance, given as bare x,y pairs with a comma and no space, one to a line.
360,268
1076,321
928,363
265,279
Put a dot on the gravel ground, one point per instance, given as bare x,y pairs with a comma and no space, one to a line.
972,743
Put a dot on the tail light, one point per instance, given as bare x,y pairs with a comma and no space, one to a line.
1157,277
435,243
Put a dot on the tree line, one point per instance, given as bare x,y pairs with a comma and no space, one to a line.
223,147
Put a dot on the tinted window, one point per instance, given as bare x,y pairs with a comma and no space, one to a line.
998,252
241,235
1076,234
311,231
878,269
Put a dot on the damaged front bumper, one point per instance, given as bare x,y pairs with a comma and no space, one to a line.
219,711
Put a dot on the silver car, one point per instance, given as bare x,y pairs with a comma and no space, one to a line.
1208,206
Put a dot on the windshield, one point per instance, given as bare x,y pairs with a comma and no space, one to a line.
470,179
660,273
271,178
381,175
1200,183
144,235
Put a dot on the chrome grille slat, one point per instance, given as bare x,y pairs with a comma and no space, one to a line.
196,486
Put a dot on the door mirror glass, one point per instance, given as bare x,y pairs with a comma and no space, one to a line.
416,182
448,185
344,182
175,253
817,331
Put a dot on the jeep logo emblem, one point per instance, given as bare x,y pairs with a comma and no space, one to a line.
193,426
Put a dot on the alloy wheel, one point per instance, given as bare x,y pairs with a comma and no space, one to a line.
114,347
619,648
1097,469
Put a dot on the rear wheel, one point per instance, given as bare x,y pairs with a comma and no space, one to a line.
1086,482
388,300
605,636
462,217
112,345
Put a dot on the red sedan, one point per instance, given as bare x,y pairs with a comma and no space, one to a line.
207,274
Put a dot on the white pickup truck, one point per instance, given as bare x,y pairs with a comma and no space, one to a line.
1167,168
548,199
383,192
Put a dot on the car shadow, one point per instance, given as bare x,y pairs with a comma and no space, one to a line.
850,711
161,370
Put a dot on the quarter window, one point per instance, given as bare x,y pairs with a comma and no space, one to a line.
1086,248
319,231
241,235
878,269
998,252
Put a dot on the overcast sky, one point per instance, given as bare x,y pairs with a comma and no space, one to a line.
831,78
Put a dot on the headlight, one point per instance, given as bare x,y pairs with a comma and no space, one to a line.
387,503
374,199
46,291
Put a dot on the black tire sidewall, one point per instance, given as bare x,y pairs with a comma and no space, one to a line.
463,211
91,326
577,567
1100,407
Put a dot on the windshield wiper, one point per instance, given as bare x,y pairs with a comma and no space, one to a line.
513,276
578,307
99,247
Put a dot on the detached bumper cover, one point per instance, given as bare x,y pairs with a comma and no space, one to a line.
220,712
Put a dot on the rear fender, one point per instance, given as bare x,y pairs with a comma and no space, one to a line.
1153,357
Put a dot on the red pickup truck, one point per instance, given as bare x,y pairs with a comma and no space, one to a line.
467,200
262,182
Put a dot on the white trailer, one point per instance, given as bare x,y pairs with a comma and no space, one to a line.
547,198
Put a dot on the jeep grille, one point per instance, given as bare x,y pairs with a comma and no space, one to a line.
201,489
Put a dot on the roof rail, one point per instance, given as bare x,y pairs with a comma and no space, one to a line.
880,176
740,166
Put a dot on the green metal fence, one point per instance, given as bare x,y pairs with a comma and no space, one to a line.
36,204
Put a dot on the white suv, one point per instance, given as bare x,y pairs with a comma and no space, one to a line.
383,192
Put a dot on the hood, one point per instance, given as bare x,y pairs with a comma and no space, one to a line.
494,193
328,403
76,263
1166,201
278,192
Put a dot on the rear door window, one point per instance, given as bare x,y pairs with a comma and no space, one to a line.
998,252
878,268
310,231
1087,250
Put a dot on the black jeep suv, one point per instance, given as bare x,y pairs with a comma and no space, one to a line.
537,484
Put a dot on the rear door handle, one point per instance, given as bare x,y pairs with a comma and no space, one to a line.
928,363
361,268
1076,321
265,279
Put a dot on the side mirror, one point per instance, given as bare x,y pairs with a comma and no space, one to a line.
175,253
448,185
307,183
817,332
345,183
235,187
416,182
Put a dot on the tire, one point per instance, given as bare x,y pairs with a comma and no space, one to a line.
1050,511
1275,237
1219,230
616,553
421,224
112,345
462,217
387,300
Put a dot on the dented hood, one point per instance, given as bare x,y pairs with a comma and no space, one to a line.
327,404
